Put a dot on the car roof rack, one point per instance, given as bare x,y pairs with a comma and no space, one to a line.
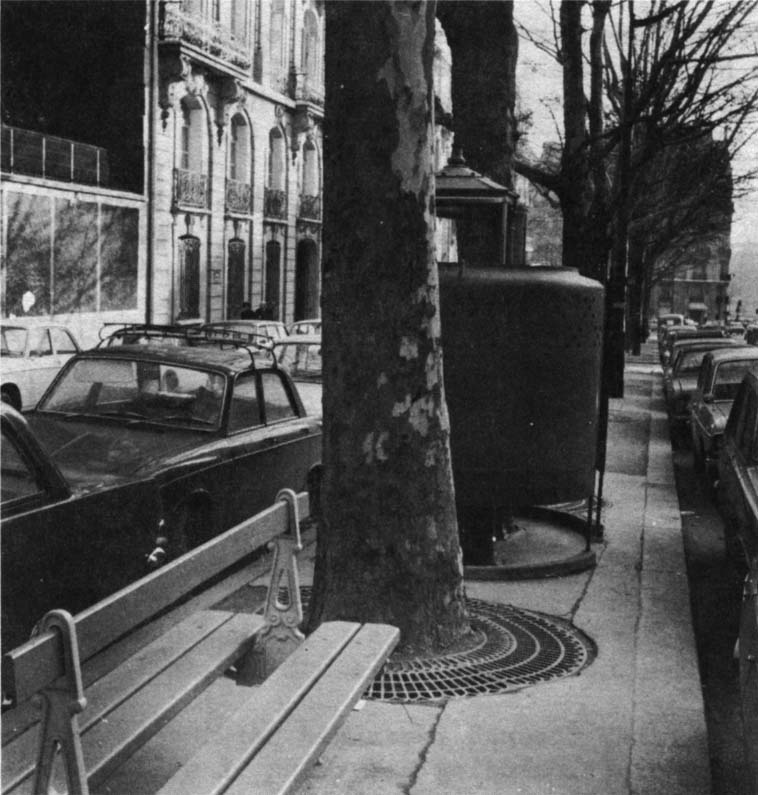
193,334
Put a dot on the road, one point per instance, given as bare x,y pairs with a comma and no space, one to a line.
716,588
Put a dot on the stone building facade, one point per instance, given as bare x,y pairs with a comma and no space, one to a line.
206,133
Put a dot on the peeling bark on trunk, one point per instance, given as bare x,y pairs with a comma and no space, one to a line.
388,546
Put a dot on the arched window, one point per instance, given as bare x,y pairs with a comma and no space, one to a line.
191,142
310,62
277,160
278,41
239,149
310,169
239,19
189,277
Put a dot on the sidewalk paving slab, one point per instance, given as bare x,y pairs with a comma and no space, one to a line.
631,722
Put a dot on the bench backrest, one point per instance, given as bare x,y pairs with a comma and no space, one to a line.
39,662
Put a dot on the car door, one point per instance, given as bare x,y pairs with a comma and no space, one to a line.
59,550
42,366
277,453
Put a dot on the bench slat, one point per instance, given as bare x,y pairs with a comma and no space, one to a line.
287,756
31,667
120,732
262,712
114,688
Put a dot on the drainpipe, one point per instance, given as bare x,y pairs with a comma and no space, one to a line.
152,68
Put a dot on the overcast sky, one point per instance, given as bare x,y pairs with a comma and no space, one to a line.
539,88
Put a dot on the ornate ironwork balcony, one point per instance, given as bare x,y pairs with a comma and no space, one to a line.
274,203
310,207
190,188
239,196
34,154
178,23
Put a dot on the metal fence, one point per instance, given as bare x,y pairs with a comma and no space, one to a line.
38,155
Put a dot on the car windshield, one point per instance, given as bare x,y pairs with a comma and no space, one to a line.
138,390
303,360
728,377
13,341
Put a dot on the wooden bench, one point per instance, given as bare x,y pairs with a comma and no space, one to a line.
136,664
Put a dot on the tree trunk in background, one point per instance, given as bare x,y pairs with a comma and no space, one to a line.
388,546
484,50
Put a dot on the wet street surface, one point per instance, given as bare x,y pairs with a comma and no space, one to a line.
715,579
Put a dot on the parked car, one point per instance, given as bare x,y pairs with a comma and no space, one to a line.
718,381
670,319
738,501
300,354
68,537
747,654
738,469
676,333
312,326
680,380
273,329
31,354
214,431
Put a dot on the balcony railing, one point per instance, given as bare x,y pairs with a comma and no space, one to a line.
274,203
38,155
190,188
180,24
239,197
310,207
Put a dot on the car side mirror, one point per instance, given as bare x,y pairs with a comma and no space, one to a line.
708,397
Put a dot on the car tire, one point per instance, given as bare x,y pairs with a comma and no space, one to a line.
9,394
192,523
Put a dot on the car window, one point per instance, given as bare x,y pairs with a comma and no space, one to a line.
139,390
276,400
39,343
63,342
244,410
301,359
728,377
13,342
689,361
17,479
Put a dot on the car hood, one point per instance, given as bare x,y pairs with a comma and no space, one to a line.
92,454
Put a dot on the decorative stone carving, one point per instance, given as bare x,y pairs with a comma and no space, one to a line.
178,78
232,99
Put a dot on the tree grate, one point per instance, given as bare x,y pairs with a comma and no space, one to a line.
517,648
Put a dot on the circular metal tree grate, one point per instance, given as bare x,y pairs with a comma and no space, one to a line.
516,648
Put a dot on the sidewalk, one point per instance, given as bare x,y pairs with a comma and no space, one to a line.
631,722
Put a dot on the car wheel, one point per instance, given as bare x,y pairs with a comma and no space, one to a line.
10,394
192,525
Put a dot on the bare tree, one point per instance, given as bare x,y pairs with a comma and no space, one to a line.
388,546
668,78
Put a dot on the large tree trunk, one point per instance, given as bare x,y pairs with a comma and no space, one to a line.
388,546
